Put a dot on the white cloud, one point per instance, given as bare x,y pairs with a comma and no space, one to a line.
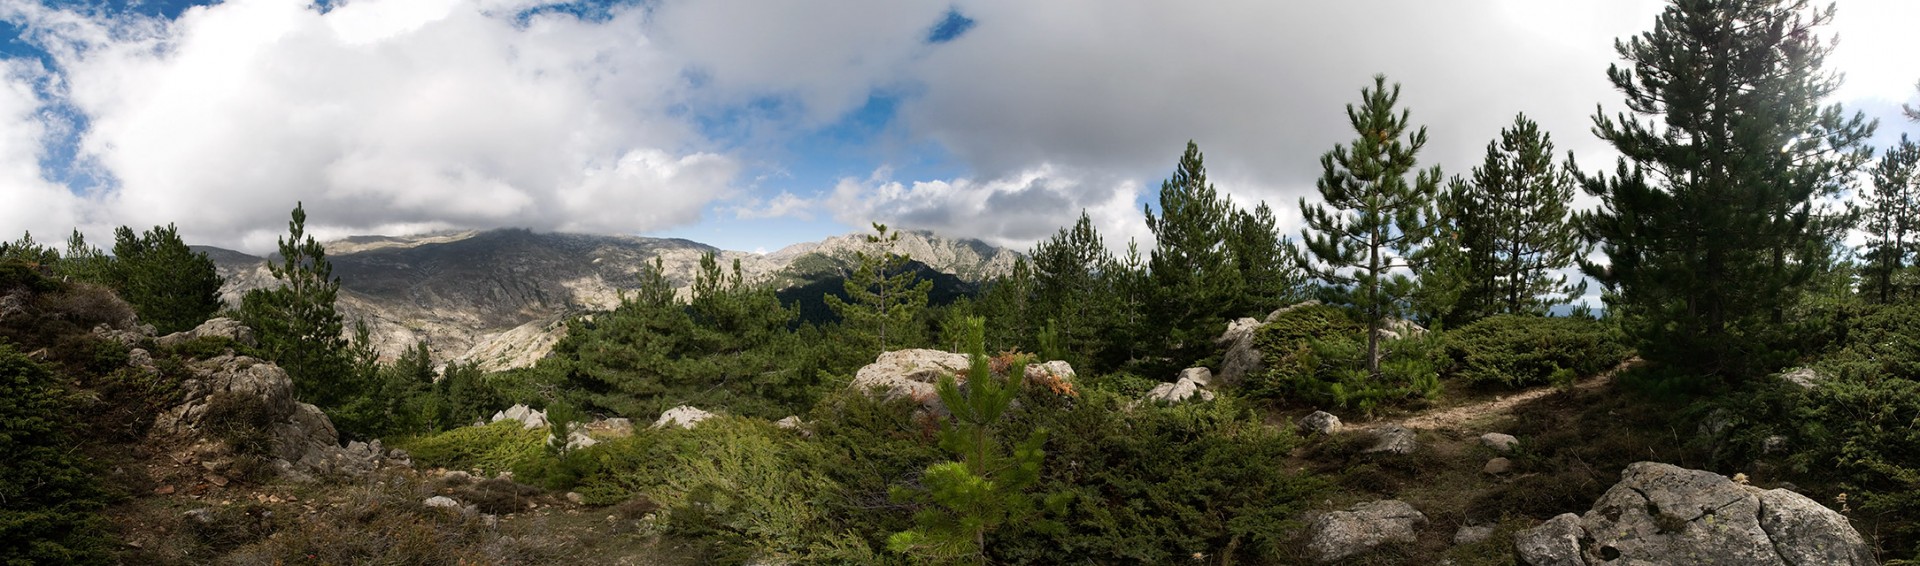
31,202
1015,211
783,205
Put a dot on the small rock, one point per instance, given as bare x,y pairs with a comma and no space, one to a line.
1320,422
217,479
1775,444
683,416
442,502
1199,376
575,498
163,490
792,422
1805,377
202,515
1393,439
1502,443
1497,466
1361,528
1472,534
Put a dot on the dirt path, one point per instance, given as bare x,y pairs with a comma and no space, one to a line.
1456,418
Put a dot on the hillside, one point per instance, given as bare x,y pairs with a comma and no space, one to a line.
498,297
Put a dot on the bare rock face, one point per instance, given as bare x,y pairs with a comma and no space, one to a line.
1362,528
304,441
682,416
1664,514
909,373
1393,439
218,327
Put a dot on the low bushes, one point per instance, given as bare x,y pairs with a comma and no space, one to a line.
1317,355
1521,351
491,449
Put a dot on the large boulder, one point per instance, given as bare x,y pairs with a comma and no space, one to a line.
1362,528
1664,514
528,417
909,373
217,328
1191,385
303,441
683,416
1321,422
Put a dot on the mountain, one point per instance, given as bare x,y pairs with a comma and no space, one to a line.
501,297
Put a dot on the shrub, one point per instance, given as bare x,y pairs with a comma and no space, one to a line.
51,499
1520,351
491,449
1317,354
1286,346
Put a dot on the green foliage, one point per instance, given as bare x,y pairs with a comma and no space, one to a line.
1372,219
1711,220
491,449
1313,354
298,326
1193,277
51,500
1072,284
1503,237
1891,221
883,298
28,252
987,487
172,287
1520,351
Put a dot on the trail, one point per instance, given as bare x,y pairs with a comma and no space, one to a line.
1456,418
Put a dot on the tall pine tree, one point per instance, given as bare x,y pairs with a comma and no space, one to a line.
1192,270
297,324
171,286
1069,277
1374,218
1267,263
884,296
1710,222
1513,228
1891,219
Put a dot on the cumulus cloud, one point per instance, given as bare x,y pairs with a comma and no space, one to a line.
1015,211
32,203
381,114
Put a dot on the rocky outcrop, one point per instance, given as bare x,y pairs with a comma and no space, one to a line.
528,417
909,373
303,441
1393,439
682,416
1320,422
1664,514
1191,385
214,328
1362,528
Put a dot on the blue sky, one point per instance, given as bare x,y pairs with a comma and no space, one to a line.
754,124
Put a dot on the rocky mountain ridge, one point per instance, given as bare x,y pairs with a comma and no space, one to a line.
500,298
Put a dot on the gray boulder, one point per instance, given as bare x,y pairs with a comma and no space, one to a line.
1056,370
1320,422
1362,528
1393,439
1663,514
1186,389
528,417
1804,377
683,416
909,373
218,327
1199,376
1502,443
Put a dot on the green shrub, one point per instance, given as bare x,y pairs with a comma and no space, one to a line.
1520,351
1317,355
491,449
1286,347
51,500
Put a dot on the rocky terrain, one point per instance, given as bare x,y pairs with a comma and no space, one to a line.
500,298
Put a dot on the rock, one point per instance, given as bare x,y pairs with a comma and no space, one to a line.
1502,443
528,417
441,502
218,327
1472,534
1049,372
910,373
682,416
1242,357
1180,391
1775,444
1199,376
1497,466
1556,542
792,422
1805,377
1393,439
303,441
1403,328
1320,422
609,428
1664,514
1362,528
575,498
577,439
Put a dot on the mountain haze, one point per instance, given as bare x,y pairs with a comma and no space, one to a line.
501,297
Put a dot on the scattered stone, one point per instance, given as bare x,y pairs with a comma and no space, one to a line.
217,479
792,422
1393,439
1472,534
528,417
575,498
163,490
1180,391
1321,422
1497,466
1200,376
1805,377
214,328
1502,443
683,416
1663,514
576,439
442,502
1362,528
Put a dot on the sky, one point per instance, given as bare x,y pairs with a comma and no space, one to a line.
754,124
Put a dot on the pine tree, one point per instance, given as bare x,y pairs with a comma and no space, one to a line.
1268,264
1373,219
84,262
628,361
1710,222
1513,229
1891,215
1193,275
1131,286
297,324
884,297
1068,280
169,285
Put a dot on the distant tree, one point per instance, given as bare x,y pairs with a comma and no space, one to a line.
1514,229
83,262
626,361
1194,278
1268,264
1011,307
884,296
1711,222
169,285
29,251
1373,218
297,324
1891,218
1069,280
